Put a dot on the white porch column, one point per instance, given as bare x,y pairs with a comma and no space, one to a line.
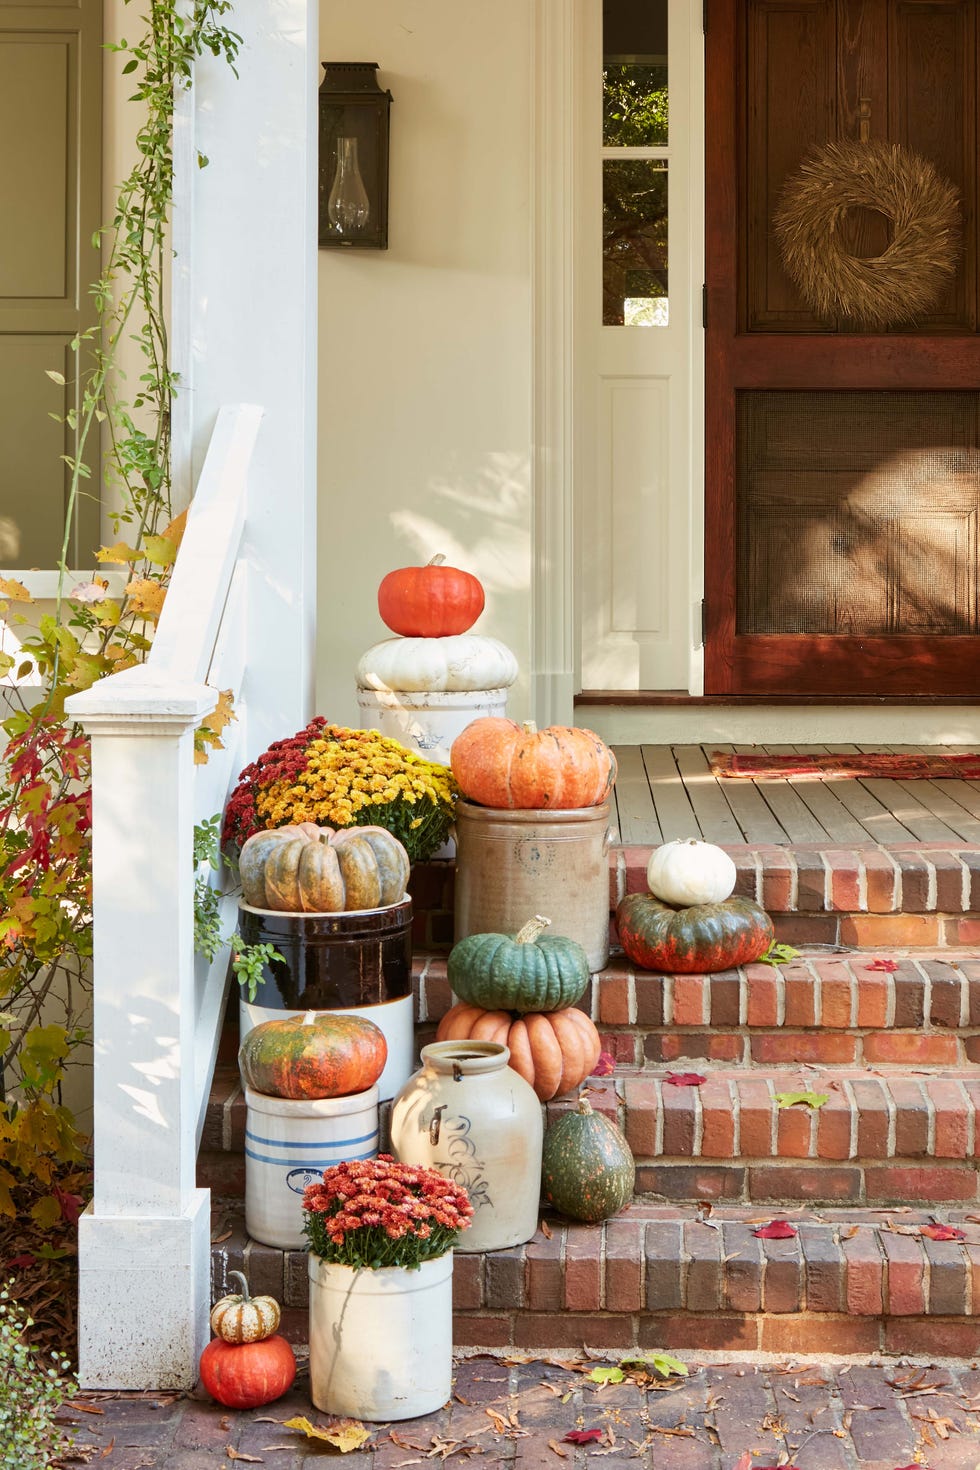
146,1235
245,325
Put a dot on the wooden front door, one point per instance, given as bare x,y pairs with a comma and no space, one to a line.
842,472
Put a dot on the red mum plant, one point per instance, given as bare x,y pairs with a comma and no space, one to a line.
374,1213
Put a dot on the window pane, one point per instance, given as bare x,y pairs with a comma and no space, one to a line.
634,243
634,46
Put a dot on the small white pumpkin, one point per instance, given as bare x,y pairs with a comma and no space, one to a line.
687,871
437,665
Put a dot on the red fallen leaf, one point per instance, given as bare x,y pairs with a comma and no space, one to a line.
685,1079
942,1232
16,1262
744,1462
776,1230
889,966
583,1436
605,1066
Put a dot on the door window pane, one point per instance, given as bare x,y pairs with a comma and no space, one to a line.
634,74
634,242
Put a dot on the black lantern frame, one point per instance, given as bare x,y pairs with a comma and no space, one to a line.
353,106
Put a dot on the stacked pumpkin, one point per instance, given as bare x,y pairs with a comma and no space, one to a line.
246,1363
422,687
688,923
522,992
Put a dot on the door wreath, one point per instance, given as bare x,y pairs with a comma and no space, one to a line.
905,281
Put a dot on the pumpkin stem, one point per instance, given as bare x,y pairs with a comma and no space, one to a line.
437,561
584,1107
529,727
309,1018
529,932
237,1276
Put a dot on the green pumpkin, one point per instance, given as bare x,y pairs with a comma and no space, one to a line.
524,973
699,940
587,1167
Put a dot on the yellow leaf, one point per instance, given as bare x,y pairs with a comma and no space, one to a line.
175,531
146,596
119,552
343,1434
46,1212
15,590
222,714
109,613
160,550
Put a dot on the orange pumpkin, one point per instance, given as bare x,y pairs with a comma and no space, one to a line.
247,1374
433,601
319,1054
553,1052
501,764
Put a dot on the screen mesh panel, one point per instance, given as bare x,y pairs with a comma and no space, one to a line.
857,512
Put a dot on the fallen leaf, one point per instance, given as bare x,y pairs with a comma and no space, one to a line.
107,1451
343,1434
232,1454
775,1230
808,1099
888,966
403,1443
605,1066
685,1079
744,1462
607,1375
554,1445
942,1232
582,1436
546,1230
81,1407
662,1363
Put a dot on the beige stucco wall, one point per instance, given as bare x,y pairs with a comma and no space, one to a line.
425,349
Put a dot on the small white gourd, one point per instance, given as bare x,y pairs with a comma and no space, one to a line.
687,872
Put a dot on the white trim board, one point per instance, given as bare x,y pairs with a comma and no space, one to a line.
782,724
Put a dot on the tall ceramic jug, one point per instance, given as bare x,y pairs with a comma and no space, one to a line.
467,1114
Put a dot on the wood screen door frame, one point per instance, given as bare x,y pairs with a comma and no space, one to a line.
757,664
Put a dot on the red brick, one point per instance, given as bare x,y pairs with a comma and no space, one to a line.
872,931
872,1105
911,1048
971,1046
865,1273
694,1044
881,875
834,1127
637,860
893,1182
905,1296
573,1329
801,998
438,997
811,881
622,1046
467,1281
836,997
718,1119
705,1274
763,996
614,1007
690,1006
624,1266
794,1127
680,1120
583,1270
829,1047
544,1271
801,1182
778,872
481,1329
949,882
874,993
962,931
952,1129
802,929
690,1181
746,875
915,881
921,1336
642,1109
845,880
783,1284
911,1118
504,1279
649,999
949,1277
827,1335
755,1118
910,997
744,1266
712,1331
725,998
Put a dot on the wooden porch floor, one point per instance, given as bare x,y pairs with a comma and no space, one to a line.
668,791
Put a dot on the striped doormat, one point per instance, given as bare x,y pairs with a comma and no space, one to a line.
882,764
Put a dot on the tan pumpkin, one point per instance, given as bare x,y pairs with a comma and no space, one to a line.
244,1318
501,764
554,1052
317,870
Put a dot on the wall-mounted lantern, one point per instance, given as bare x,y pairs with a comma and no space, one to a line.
354,116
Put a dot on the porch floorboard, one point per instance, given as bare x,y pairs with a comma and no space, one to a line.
667,791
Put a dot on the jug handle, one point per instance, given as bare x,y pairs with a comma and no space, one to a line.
610,837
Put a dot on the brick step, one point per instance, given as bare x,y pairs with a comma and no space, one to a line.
878,1139
923,894
821,1008
850,1281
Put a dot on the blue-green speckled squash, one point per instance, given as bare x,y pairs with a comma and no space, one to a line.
587,1169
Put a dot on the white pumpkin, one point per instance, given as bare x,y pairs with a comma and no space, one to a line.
686,872
437,665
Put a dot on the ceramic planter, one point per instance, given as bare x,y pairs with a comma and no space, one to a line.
468,1115
381,1342
288,1144
427,722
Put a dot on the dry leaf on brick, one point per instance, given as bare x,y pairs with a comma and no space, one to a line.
344,1434
556,1447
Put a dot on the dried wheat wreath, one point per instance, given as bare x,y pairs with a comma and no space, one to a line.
906,280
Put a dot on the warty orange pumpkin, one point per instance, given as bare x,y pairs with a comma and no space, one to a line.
554,1052
501,764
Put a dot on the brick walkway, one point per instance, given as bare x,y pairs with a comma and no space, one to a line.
730,1417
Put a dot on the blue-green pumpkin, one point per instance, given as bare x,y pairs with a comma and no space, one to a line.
530,971
587,1168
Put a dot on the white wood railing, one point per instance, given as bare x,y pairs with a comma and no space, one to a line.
157,1006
